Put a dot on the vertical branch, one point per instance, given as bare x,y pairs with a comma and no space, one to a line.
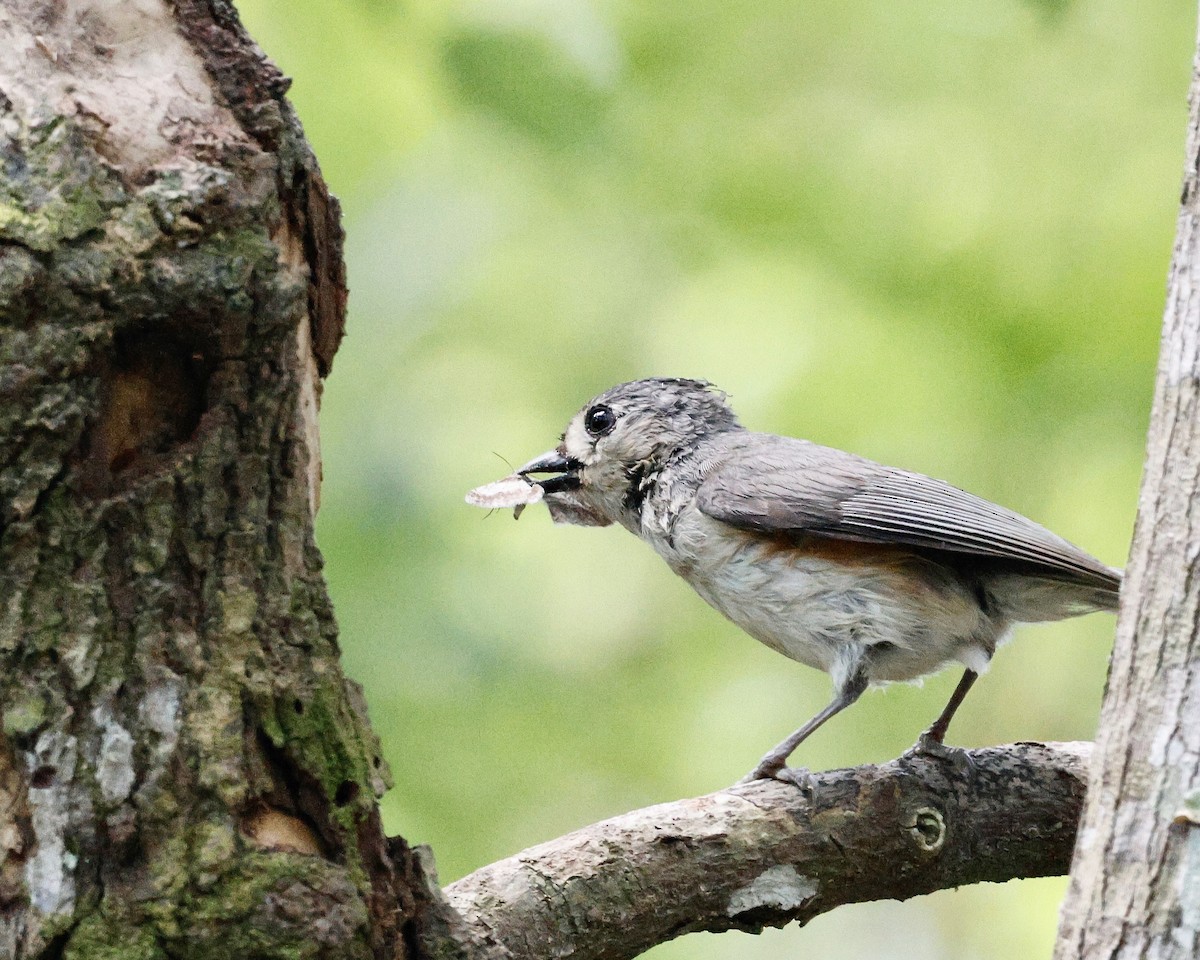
1135,879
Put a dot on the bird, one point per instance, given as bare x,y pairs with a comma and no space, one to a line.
870,573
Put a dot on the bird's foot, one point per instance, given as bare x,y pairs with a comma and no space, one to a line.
928,745
798,777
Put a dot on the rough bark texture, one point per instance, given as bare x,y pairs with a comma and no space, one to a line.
184,770
1135,881
765,855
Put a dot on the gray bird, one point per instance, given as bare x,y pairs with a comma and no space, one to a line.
870,573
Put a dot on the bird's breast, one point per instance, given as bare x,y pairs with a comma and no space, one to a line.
813,599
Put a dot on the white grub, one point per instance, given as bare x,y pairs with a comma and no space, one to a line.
780,887
514,491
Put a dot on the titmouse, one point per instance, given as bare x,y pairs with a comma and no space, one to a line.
870,573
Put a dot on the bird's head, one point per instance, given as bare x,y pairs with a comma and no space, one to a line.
619,439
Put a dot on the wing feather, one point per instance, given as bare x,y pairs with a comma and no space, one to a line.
778,484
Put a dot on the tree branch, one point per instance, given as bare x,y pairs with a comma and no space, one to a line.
765,854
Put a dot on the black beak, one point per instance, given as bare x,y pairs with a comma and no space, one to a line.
566,468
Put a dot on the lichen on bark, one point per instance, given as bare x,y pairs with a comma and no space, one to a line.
184,769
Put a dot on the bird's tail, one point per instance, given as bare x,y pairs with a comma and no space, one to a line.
1035,599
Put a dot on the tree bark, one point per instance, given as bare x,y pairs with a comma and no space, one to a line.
1135,880
184,769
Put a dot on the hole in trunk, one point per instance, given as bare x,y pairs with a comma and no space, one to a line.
153,392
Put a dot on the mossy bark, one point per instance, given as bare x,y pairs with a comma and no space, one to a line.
184,769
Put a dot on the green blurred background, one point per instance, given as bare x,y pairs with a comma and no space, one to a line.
934,233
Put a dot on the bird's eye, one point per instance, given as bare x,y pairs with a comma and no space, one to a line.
599,421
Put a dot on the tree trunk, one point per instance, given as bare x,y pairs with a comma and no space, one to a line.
1135,879
184,769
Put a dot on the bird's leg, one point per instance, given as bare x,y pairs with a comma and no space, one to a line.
771,766
932,742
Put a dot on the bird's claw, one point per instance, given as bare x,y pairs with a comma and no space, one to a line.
929,746
798,777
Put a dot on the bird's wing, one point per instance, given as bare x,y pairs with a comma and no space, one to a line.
777,484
